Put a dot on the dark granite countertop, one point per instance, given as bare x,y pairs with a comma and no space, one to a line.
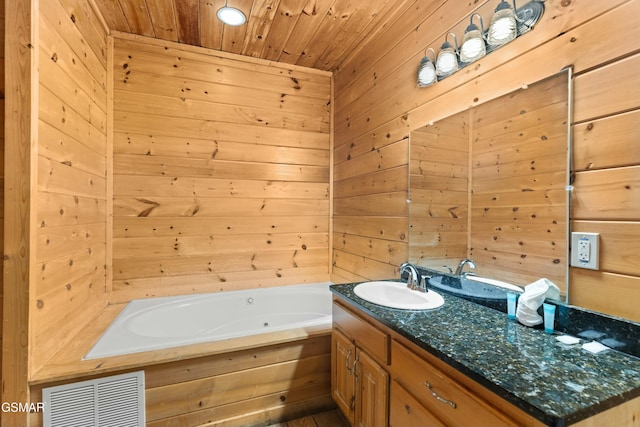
555,383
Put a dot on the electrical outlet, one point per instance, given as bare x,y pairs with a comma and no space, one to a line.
585,250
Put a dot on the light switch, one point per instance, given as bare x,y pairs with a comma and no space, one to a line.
585,250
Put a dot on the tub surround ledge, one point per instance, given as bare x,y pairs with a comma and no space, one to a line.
557,384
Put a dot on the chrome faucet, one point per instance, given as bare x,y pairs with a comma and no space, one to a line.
413,281
462,264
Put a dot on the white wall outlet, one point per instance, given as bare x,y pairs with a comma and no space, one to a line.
585,250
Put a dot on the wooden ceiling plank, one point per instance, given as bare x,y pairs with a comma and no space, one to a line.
137,15
322,34
349,33
287,16
258,26
333,20
233,37
365,19
312,15
210,26
113,15
393,12
187,14
163,18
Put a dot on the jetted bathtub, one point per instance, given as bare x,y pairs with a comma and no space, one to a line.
158,323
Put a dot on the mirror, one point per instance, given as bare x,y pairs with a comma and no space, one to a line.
489,184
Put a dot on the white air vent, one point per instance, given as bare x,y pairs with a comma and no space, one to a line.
116,401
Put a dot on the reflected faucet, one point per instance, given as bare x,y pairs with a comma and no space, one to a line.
462,264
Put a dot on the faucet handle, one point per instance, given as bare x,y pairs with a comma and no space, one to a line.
448,268
424,279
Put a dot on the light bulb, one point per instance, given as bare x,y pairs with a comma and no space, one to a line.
231,16
447,63
503,28
473,48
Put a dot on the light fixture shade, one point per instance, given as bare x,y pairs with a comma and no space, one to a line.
447,62
473,46
231,16
503,26
426,71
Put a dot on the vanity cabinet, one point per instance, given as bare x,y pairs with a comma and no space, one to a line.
359,382
431,379
425,387
379,378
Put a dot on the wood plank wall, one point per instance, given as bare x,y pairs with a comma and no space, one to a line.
606,198
378,104
2,96
69,288
221,171
18,207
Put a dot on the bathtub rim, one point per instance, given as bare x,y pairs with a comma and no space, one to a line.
135,308
67,364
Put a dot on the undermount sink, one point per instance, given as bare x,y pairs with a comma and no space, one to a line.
475,286
398,295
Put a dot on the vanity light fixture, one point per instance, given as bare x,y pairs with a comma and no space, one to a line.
473,46
447,62
231,16
503,26
507,24
426,70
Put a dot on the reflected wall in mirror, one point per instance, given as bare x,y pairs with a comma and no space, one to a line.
489,184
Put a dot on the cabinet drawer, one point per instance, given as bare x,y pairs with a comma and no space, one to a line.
366,336
448,400
406,411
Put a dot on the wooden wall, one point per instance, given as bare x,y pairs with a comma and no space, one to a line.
221,171
69,286
250,387
606,198
56,197
378,104
2,95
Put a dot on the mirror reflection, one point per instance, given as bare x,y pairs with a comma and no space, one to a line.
488,184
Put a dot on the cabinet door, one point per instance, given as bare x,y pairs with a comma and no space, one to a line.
343,354
372,383
406,411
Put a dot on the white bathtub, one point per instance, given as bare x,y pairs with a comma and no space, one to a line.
158,323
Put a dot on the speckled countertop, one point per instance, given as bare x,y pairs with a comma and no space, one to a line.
555,383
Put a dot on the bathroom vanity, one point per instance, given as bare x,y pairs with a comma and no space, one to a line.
467,364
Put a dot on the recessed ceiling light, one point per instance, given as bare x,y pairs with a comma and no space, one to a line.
231,16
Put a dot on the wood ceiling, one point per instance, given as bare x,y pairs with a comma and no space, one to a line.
311,33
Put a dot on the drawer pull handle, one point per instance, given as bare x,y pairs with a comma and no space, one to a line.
438,397
346,362
355,364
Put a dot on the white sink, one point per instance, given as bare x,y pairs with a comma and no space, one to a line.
398,295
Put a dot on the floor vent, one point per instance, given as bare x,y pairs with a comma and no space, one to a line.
116,401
